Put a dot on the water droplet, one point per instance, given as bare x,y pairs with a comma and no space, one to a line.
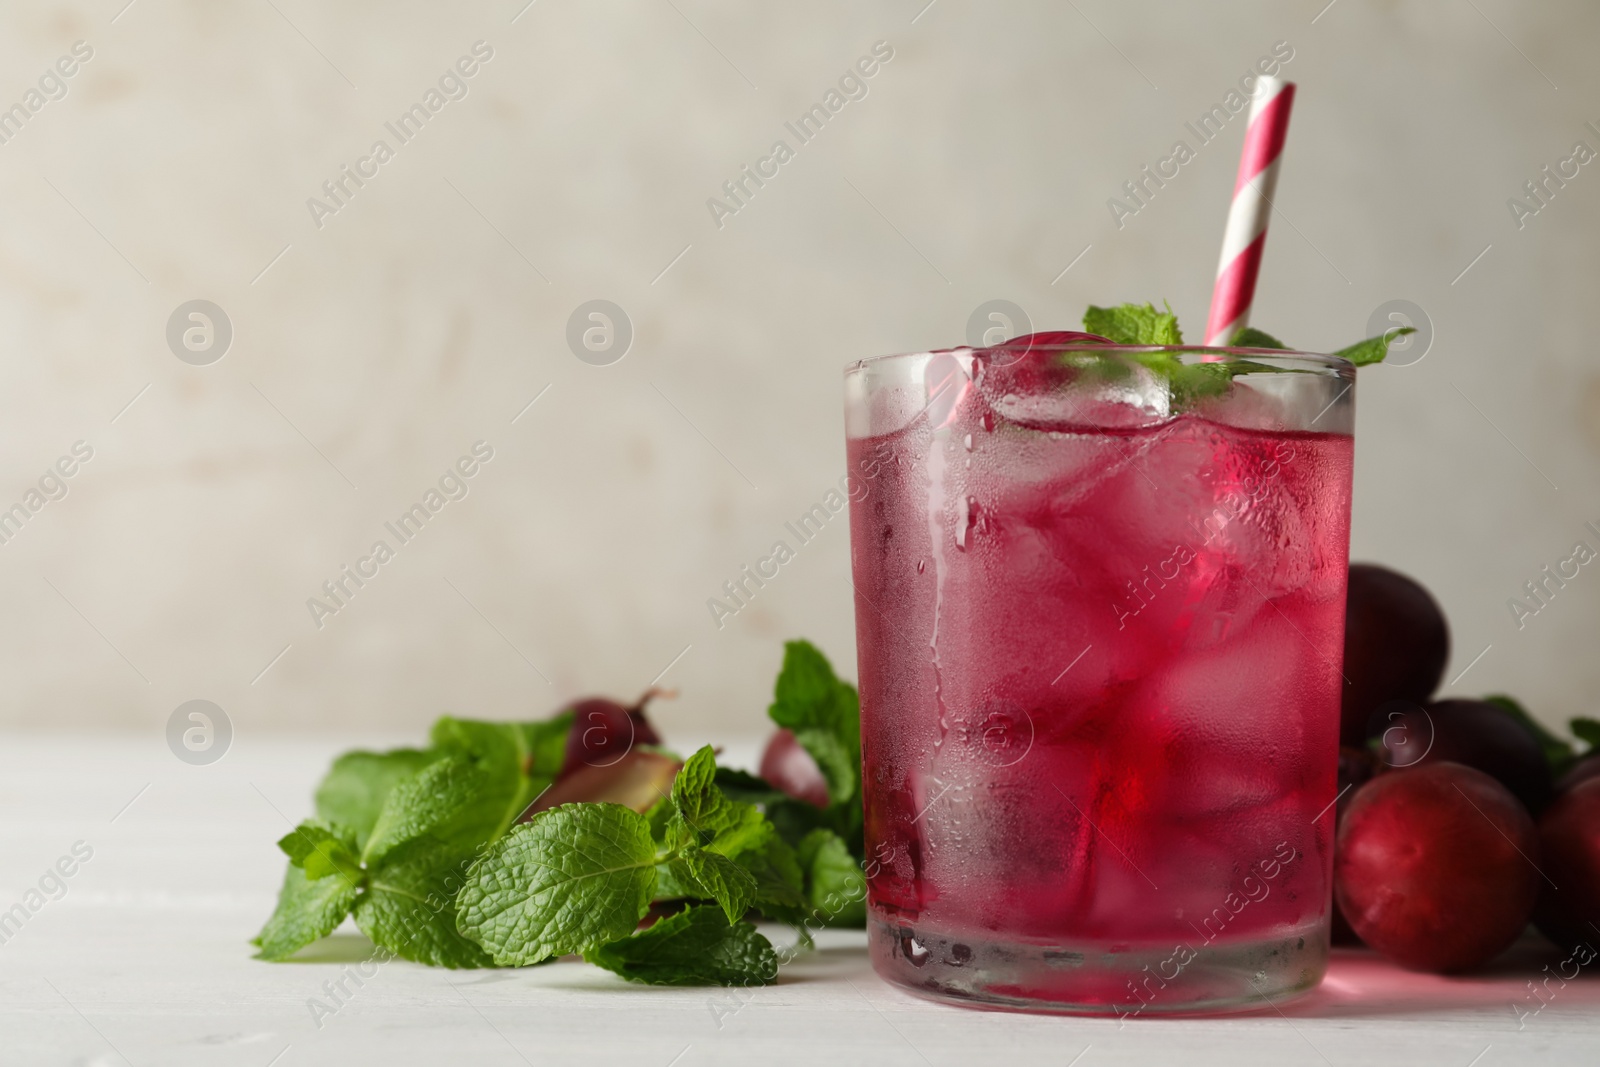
966,522
967,440
922,565
987,422
960,955
914,950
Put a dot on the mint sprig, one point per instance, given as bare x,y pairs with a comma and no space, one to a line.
1142,324
423,849
1188,383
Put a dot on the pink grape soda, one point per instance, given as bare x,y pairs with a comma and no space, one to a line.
1099,626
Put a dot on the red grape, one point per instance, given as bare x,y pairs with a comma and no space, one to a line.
1474,732
791,769
1569,843
1434,867
636,780
1396,643
603,731
1356,767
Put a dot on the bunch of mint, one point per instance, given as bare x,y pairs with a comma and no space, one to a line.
429,851
1136,324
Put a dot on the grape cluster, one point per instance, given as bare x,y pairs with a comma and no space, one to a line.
1459,820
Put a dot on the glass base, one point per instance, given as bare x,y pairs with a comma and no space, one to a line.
1129,981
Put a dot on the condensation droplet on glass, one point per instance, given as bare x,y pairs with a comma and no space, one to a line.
914,950
967,440
922,565
966,521
987,422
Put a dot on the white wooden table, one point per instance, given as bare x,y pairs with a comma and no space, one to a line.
145,960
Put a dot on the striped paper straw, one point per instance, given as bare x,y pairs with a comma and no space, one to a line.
1252,204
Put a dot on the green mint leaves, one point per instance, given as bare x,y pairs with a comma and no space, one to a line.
580,877
571,879
396,832
1133,324
694,947
1373,349
1250,337
321,851
407,906
424,848
1142,324
1362,353
355,788
308,910
836,890
1189,382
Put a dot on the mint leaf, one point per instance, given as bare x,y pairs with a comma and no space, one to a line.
570,878
519,760
834,885
1586,730
693,947
823,712
710,874
780,884
695,793
321,851
536,749
307,911
1373,349
449,799
1250,337
409,905
704,816
356,786
1132,324
743,829
1557,751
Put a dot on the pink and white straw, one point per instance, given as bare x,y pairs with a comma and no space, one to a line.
1252,204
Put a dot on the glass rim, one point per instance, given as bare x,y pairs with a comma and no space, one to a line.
1311,361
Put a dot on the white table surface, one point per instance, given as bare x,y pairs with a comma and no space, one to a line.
145,960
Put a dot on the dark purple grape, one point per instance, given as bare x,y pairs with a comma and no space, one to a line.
1474,732
791,769
603,731
1356,768
1434,867
1569,848
1396,643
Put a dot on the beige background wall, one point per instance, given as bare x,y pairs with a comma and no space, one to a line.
432,308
